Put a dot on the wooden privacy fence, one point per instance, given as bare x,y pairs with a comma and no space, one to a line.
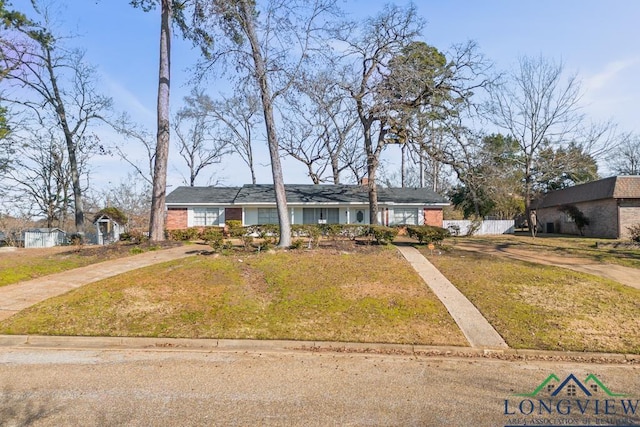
461,227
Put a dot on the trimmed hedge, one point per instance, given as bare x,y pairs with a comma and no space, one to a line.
269,232
428,234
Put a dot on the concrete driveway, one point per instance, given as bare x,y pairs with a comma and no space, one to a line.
626,275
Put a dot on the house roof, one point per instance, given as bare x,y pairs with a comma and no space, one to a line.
301,193
43,230
198,195
615,187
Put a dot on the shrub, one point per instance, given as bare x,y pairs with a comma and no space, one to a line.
183,235
474,227
134,236
428,233
353,231
383,235
577,216
234,228
212,236
297,244
634,233
312,231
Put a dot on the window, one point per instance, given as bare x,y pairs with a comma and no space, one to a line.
267,216
405,216
203,217
320,216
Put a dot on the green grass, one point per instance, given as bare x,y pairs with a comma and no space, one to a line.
544,307
320,295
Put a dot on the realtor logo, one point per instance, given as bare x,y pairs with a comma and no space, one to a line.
571,387
571,402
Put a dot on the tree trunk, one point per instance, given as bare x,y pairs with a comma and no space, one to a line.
71,146
267,104
156,226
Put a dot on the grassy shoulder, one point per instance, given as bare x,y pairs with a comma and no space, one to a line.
370,295
599,250
543,307
25,264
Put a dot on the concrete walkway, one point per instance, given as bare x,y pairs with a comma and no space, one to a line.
19,296
473,324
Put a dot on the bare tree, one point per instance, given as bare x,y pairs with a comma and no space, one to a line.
626,158
40,177
321,128
237,118
142,138
200,144
272,44
61,92
538,107
396,77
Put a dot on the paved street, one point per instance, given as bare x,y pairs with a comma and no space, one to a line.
151,387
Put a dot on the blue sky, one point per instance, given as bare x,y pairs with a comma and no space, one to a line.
598,40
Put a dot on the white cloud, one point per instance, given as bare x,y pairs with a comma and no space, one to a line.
609,75
128,101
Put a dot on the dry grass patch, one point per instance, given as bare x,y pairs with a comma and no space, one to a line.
368,296
544,307
599,250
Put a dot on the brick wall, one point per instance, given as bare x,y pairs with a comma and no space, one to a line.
176,218
602,216
629,215
433,217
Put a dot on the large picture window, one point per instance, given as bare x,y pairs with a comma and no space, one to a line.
204,217
320,216
267,216
405,216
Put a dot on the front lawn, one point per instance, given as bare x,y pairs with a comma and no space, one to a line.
367,295
543,307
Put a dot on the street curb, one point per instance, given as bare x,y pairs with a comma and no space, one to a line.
282,346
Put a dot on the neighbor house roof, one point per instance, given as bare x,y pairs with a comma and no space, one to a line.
615,187
301,193
42,230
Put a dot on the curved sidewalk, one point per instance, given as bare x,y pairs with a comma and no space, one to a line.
18,296
471,322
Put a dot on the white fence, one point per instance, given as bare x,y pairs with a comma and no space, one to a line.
461,227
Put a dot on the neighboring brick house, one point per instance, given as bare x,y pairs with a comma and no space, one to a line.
611,205
308,204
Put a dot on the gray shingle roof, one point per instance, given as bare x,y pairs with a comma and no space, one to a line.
615,187
197,195
301,193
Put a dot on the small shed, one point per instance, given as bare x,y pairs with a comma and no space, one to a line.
43,237
110,223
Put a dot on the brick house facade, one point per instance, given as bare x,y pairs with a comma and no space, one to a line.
611,205
309,204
